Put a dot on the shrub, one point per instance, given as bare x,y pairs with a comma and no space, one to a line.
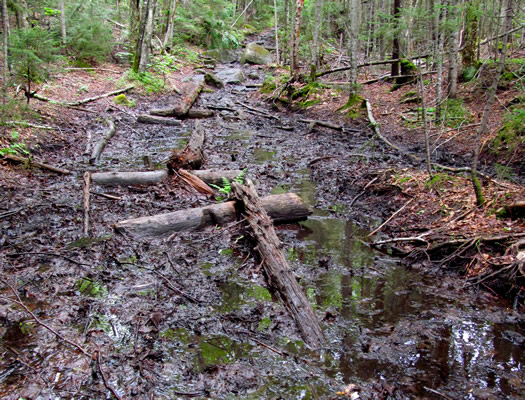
512,133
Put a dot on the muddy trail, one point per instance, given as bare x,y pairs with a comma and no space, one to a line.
191,316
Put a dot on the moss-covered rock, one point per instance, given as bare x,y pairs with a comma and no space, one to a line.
224,56
255,54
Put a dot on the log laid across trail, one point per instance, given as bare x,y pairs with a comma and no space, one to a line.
192,155
115,178
286,207
181,109
280,278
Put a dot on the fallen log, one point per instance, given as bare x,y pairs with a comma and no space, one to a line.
152,119
114,178
286,207
180,110
191,156
200,114
280,277
97,150
38,164
81,102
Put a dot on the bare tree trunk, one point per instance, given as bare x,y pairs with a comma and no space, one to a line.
317,25
453,53
439,55
5,26
425,121
507,26
354,46
134,23
299,4
140,63
168,37
276,32
396,46
63,22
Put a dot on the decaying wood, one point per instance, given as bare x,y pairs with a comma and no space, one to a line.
85,101
515,209
152,119
29,125
215,176
200,114
195,182
280,278
286,207
97,150
85,202
33,163
192,91
191,156
313,123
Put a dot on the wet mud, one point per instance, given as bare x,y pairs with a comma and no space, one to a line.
191,316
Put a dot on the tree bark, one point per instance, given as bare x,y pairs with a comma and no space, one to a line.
276,269
276,27
354,47
281,208
142,53
453,52
102,144
151,119
134,23
317,26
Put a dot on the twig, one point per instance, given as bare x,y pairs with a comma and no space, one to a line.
438,393
30,125
11,212
391,217
107,196
363,191
106,384
29,253
176,290
38,321
38,164
268,347
403,239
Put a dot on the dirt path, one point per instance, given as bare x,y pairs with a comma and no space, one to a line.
391,331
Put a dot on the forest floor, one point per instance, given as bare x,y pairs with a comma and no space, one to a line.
394,327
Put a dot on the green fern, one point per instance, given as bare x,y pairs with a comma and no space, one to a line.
226,187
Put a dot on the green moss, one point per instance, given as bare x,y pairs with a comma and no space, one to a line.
122,100
512,133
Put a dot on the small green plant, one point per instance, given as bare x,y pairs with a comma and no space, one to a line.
455,114
438,181
122,100
512,133
15,147
150,83
226,187
90,288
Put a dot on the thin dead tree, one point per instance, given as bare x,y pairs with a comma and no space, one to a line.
507,25
294,65
5,25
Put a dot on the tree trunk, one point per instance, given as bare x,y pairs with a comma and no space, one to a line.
280,279
5,27
168,37
276,27
317,26
281,208
142,54
63,22
294,67
439,55
396,45
354,46
134,23
470,35
453,51
507,26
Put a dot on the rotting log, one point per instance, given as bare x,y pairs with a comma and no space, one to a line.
81,102
286,207
280,278
85,202
115,178
33,163
192,155
152,119
192,91
97,150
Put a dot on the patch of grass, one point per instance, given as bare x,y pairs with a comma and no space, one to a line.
150,83
438,181
15,147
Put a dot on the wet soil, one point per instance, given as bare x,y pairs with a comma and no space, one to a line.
192,316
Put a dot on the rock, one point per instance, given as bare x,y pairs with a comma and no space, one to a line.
232,75
223,56
212,80
253,75
255,54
